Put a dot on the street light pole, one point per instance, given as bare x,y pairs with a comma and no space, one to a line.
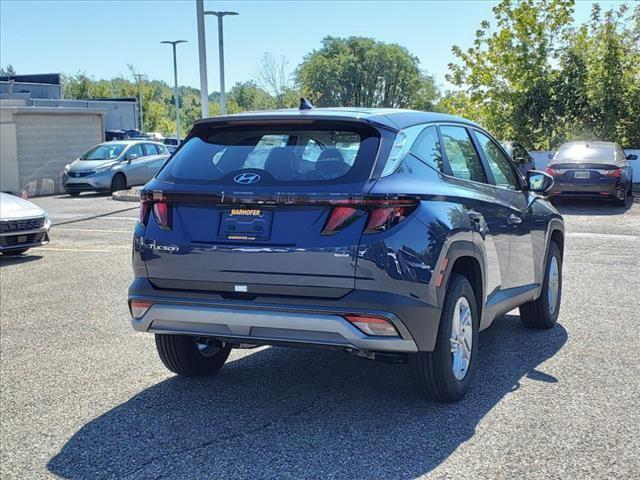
173,43
138,77
202,55
223,97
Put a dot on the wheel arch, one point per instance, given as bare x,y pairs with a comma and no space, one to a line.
462,259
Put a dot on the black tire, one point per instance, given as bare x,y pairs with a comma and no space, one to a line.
432,372
181,355
11,253
630,192
537,314
119,182
74,194
620,202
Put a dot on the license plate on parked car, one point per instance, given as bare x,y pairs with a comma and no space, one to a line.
581,175
246,224
22,239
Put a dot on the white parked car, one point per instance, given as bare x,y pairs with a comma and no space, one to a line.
23,225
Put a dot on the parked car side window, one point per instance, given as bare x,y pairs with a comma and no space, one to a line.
462,155
150,149
520,155
135,150
499,164
427,148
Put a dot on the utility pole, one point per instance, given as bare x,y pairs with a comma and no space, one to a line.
202,54
223,98
173,43
138,77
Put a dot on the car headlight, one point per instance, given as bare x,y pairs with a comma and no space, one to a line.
67,167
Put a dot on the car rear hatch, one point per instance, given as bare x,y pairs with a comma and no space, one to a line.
246,210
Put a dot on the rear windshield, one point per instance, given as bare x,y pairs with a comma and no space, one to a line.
585,153
302,153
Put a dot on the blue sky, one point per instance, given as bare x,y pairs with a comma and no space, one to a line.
102,37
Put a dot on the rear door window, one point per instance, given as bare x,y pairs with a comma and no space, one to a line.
150,149
277,154
461,154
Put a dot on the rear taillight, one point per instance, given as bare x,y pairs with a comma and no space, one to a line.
616,173
551,171
382,219
373,325
162,213
139,308
144,210
156,202
340,218
383,213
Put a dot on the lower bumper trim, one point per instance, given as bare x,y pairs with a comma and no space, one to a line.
265,327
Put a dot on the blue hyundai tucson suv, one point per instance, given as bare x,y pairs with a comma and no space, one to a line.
395,235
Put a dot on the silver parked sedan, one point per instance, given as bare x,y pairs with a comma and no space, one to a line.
113,166
23,225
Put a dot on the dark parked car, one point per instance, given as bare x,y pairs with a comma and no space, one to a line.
599,169
394,235
519,156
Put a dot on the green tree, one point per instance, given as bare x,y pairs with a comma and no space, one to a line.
359,71
9,71
248,96
506,75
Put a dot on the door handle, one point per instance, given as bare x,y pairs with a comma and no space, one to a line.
475,216
514,219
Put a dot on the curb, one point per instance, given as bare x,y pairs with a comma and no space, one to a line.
131,195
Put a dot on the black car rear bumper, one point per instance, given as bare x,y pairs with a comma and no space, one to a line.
290,320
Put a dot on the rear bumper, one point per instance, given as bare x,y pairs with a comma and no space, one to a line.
591,189
290,320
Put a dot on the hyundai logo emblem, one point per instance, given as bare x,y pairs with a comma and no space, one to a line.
246,178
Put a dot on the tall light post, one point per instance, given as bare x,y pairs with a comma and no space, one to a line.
173,43
138,77
223,98
202,56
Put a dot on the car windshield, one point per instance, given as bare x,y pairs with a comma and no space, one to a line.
296,154
585,153
107,151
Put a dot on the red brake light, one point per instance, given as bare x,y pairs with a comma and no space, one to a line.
551,171
339,218
144,210
382,219
162,212
611,173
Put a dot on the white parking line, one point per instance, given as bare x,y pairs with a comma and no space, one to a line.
605,236
73,250
91,230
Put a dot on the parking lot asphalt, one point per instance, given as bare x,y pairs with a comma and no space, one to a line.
85,397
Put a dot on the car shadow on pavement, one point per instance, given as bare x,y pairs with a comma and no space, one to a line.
591,206
18,259
284,413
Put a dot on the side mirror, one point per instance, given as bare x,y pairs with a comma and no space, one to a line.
539,182
133,156
632,156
